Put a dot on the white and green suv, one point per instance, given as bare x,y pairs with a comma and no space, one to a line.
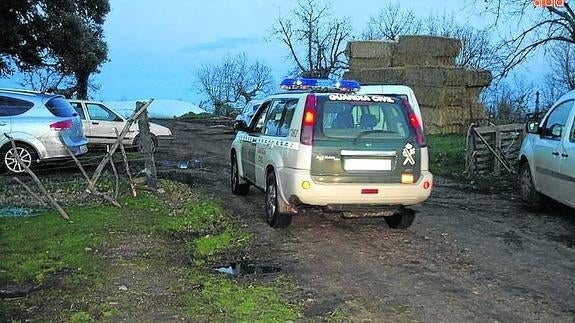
321,144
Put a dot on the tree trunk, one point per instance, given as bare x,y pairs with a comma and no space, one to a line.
82,85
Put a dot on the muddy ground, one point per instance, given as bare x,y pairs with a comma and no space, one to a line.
468,257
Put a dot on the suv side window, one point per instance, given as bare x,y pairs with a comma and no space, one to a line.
99,112
13,107
257,124
279,117
555,124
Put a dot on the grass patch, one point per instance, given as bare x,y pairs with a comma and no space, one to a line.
34,247
446,154
83,263
211,245
224,300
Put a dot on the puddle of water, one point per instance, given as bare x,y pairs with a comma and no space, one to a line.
182,164
14,212
245,268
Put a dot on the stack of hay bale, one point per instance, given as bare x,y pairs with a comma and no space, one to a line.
448,95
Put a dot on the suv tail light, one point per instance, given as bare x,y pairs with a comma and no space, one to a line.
61,125
415,124
308,121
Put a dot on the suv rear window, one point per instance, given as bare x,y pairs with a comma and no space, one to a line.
13,107
61,108
346,119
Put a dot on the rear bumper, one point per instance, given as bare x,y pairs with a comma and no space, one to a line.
343,194
53,148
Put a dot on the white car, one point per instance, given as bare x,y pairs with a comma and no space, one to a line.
99,122
248,111
321,145
547,156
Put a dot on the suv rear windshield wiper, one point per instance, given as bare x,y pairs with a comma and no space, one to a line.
367,132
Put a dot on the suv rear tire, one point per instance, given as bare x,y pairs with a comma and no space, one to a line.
527,189
237,187
26,152
402,219
275,208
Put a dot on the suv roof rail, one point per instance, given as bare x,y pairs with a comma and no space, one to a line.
20,91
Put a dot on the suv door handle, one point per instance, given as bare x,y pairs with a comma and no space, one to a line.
555,153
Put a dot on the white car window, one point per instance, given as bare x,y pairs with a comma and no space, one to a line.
78,107
99,112
555,124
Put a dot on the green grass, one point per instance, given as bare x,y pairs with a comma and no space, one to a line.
223,300
446,154
36,249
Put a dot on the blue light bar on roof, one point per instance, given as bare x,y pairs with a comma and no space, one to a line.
320,85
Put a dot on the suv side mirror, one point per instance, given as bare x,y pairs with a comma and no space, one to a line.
533,127
240,125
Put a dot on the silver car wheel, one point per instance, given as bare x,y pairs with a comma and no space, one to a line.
11,161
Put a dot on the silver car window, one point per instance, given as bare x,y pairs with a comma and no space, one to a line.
13,107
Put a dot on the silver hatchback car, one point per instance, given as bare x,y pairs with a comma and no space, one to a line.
41,124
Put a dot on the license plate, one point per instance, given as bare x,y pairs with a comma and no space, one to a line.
367,164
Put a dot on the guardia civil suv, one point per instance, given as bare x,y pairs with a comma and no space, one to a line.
321,144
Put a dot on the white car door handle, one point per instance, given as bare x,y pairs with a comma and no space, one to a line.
94,122
564,155
555,153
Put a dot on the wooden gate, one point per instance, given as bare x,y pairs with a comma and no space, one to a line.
493,149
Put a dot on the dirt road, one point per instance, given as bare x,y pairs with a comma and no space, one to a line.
469,257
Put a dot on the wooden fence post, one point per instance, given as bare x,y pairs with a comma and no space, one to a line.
147,148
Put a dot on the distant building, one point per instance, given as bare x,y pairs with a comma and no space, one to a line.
160,109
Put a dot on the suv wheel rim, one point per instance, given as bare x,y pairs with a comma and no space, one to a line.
271,201
11,161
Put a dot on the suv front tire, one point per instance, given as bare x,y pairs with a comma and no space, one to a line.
276,209
237,187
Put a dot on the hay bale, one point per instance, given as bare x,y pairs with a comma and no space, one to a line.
426,51
434,46
441,96
417,75
452,119
358,64
370,49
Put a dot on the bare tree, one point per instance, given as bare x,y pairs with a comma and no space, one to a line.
541,26
233,81
478,50
509,100
315,39
562,62
391,22
45,79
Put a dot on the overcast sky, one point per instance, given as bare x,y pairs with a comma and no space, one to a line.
154,51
